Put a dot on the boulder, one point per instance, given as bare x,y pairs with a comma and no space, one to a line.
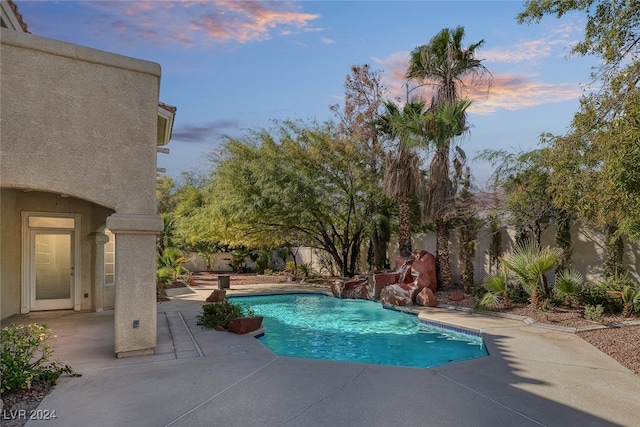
399,294
242,325
217,295
336,288
426,298
457,296
353,289
382,280
425,266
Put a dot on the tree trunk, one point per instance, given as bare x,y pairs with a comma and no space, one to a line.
614,247
404,228
443,261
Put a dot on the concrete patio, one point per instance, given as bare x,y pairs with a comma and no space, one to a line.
533,376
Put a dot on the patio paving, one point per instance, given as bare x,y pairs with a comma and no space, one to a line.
532,377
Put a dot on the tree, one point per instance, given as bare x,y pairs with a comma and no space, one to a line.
595,163
448,66
364,98
467,230
524,179
402,176
297,183
165,194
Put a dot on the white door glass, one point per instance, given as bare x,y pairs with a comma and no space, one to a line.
53,270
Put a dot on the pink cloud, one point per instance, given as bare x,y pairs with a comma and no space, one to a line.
188,22
507,91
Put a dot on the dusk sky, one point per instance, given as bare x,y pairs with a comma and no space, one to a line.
229,66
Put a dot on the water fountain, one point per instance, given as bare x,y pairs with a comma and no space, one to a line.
412,282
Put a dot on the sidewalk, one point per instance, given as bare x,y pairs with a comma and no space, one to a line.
532,377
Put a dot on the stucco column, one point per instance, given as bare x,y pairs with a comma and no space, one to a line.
135,282
99,240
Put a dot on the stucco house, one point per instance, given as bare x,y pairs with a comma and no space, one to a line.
79,133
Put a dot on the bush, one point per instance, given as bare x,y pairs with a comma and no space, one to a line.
593,313
595,294
26,357
219,314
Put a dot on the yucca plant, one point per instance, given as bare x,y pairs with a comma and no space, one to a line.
568,285
630,297
529,265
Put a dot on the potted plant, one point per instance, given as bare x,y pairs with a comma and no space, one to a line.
221,315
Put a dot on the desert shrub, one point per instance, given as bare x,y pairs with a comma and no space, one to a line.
219,314
568,285
593,312
164,276
26,357
518,294
595,294
497,292
630,297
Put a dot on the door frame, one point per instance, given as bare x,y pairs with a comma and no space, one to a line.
28,252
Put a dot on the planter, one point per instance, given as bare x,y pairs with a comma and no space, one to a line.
242,325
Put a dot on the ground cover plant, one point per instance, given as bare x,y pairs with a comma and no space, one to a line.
28,370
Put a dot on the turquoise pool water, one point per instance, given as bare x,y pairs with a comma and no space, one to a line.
322,327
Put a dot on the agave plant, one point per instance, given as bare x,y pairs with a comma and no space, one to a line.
529,265
568,285
630,297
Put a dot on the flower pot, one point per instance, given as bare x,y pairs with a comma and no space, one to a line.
242,325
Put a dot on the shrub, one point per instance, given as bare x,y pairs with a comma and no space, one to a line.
630,297
568,285
593,313
598,294
219,314
497,293
26,357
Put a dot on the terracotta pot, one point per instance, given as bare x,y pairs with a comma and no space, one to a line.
242,325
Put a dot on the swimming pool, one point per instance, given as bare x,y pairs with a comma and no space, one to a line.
322,327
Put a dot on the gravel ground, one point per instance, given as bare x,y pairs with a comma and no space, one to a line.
621,343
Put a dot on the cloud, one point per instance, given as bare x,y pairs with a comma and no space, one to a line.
523,51
190,22
327,40
507,91
517,92
205,132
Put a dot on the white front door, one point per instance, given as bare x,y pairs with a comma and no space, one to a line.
50,260
52,269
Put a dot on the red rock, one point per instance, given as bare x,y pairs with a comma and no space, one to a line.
401,294
458,296
382,280
242,325
353,289
425,266
426,298
217,296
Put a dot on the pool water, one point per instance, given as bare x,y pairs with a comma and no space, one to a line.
322,327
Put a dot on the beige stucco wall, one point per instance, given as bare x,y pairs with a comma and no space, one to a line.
78,131
587,245
73,118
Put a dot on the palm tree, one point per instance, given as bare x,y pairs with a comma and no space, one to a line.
402,176
445,64
530,264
